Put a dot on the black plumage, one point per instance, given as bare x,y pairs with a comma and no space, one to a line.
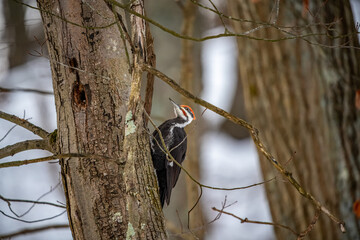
167,172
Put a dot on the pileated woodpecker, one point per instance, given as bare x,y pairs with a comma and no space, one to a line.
174,137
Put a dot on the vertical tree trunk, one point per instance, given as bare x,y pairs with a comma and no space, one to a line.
15,33
188,82
302,98
112,192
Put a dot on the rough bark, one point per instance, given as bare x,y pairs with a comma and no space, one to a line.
112,193
302,98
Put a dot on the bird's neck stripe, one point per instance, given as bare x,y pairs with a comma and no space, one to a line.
182,125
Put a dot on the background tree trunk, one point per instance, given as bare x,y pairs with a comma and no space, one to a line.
15,33
188,82
112,192
302,98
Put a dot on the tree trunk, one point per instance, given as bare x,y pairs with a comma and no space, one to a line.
302,99
111,192
15,33
188,82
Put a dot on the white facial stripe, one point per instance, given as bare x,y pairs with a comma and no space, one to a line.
182,125
179,113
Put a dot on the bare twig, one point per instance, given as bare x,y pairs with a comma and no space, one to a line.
15,125
175,34
41,53
32,221
193,207
25,162
240,35
48,158
33,230
25,124
220,16
8,132
255,135
9,200
195,99
223,206
303,234
7,90
246,220
24,146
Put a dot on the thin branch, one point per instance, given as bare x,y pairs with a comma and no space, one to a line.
195,99
220,16
32,221
8,201
193,207
178,35
311,226
48,158
255,136
7,90
223,206
24,146
8,132
25,162
272,23
175,34
12,128
265,24
25,124
33,230
246,220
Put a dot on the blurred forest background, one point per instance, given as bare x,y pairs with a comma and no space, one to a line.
220,153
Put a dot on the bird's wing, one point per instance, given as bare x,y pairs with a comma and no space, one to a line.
173,170
157,147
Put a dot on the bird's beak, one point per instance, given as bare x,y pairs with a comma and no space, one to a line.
177,108
175,104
